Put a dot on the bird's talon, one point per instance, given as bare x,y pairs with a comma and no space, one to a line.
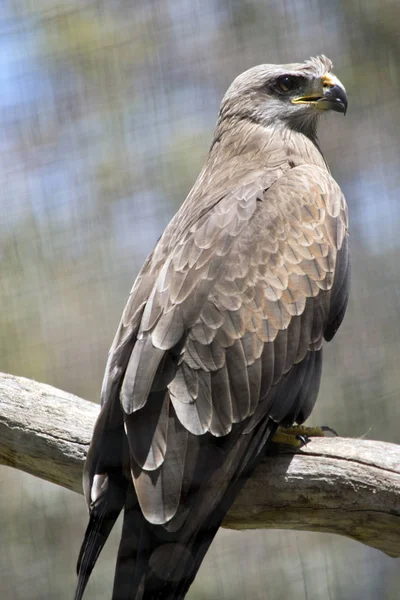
298,436
304,439
326,428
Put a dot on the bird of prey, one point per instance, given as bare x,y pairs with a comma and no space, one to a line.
221,338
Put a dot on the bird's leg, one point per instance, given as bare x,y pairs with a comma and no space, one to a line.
299,435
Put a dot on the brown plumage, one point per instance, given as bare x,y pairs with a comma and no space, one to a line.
221,338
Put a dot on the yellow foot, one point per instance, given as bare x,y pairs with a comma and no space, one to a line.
298,435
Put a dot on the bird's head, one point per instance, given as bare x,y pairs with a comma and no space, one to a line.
293,95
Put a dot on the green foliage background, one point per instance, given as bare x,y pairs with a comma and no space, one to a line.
106,114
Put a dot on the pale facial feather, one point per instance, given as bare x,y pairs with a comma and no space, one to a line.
253,95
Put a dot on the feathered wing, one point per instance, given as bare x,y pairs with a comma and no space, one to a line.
220,342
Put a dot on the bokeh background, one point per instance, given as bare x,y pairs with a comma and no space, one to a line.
106,115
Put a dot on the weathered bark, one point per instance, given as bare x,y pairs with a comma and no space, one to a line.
345,486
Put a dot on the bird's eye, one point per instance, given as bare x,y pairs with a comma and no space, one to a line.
286,83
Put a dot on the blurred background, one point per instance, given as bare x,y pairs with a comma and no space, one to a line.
106,114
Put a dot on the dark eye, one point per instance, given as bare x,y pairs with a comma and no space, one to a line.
286,83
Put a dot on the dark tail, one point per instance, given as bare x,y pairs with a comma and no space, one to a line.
160,562
103,515
104,462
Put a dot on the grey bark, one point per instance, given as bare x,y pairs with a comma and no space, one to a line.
349,487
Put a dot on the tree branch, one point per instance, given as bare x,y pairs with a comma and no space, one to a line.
344,486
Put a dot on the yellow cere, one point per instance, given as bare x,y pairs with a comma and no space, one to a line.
329,80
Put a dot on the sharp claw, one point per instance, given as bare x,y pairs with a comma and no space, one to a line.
326,428
304,439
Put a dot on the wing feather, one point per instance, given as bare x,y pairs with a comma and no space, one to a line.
194,413
147,430
237,307
139,375
238,381
159,491
222,413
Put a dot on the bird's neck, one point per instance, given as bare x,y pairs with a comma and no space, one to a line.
268,146
240,153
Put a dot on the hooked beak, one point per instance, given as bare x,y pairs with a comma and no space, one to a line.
333,96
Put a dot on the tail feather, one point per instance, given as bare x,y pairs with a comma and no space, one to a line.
160,563
103,514
132,550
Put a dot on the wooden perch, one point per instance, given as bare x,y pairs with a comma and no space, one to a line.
345,486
